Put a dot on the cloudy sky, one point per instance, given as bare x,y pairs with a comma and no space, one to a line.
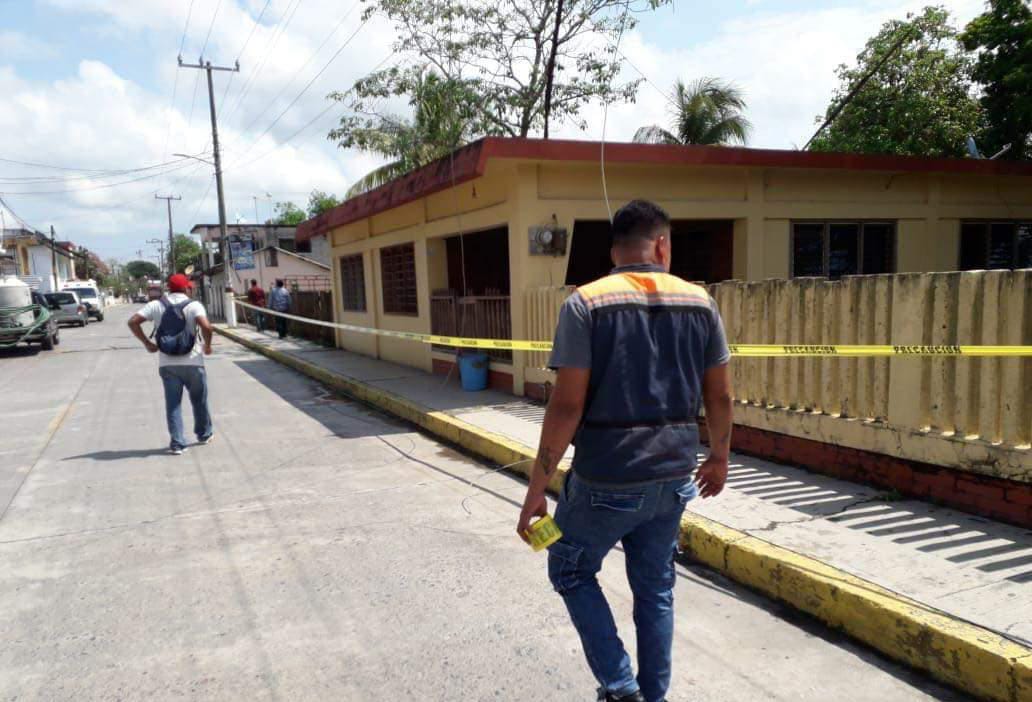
93,86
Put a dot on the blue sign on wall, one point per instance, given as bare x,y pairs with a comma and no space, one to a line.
242,253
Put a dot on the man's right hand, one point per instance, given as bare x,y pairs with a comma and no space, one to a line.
711,476
151,346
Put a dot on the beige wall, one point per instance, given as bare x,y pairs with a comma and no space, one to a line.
762,203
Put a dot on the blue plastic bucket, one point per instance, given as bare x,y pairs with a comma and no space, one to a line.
473,371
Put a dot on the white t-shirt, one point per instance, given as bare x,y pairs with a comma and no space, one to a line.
153,311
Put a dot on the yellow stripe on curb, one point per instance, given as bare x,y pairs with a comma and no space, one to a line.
966,656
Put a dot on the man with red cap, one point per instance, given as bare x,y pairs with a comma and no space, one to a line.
176,318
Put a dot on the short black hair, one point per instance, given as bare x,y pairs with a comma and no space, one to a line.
254,282
639,220
279,283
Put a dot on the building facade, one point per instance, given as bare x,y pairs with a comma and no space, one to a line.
487,242
35,257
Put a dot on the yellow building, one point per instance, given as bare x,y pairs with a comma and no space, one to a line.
484,242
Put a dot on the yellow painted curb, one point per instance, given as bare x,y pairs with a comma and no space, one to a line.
966,656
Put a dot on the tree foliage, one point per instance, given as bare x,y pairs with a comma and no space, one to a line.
142,269
319,202
443,120
287,214
187,251
493,57
706,111
920,102
1003,36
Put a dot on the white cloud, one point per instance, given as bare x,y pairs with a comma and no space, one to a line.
784,62
15,46
99,118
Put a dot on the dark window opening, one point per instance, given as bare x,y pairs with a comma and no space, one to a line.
398,274
701,249
995,245
287,244
835,249
352,283
303,246
478,263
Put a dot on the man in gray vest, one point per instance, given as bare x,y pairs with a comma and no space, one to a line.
636,354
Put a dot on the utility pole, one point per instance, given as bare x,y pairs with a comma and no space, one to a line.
223,235
171,241
161,252
551,64
53,257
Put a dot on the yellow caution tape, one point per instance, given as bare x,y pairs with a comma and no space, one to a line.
739,350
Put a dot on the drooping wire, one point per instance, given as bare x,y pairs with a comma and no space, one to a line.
175,82
605,120
180,166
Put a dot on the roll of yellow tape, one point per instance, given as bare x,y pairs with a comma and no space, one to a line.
543,533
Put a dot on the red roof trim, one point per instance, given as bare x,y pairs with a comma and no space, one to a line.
470,162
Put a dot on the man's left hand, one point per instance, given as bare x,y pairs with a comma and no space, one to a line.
207,349
533,506
151,346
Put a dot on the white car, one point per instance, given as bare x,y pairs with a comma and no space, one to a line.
89,295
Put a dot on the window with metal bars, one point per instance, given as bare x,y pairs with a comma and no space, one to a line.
352,283
995,245
398,276
835,249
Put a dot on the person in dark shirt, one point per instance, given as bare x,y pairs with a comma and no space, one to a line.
256,297
636,354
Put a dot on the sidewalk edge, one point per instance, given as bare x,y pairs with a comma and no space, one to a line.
963,655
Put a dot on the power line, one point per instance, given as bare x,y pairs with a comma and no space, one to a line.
297,97
292,78
240,54
211,26
280,30
86,174
175,83
307,124
104,186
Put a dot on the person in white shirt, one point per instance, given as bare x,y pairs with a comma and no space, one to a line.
184,369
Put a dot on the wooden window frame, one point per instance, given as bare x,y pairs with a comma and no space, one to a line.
402,299
355,264
826,225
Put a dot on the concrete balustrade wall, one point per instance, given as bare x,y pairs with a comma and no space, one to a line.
963,412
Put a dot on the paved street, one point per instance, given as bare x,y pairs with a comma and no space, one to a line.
315,551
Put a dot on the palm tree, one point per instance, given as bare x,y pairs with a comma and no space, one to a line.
438,127
707,111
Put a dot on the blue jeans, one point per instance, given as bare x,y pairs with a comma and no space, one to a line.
645,519
194,379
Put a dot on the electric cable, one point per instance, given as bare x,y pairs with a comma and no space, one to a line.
605,120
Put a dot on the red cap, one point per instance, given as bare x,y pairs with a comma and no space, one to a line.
179,283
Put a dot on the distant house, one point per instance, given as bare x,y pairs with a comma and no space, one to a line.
35,256
297,271
260,236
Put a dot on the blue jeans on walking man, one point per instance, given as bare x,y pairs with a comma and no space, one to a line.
645,519
195,381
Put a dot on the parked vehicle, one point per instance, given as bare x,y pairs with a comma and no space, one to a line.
25,316
140,299
68,308
89,295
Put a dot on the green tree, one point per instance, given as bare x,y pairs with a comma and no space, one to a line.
287,215
919,103
442,122
707,111
319,202
1003,38
187,251
142,269
499,53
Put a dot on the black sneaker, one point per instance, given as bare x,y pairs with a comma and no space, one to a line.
604,696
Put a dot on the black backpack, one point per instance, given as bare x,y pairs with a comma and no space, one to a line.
172,335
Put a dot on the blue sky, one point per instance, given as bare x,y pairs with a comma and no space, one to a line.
88,84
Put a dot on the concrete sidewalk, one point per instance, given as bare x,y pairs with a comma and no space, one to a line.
972,569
